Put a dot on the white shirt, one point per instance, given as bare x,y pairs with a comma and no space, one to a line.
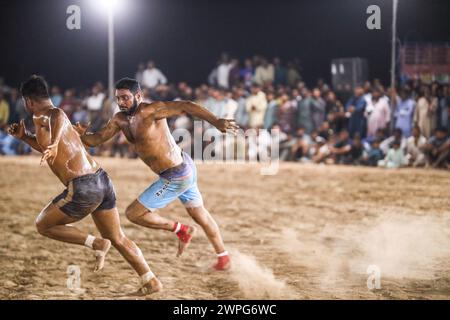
95,102
223,70
152,77
230,109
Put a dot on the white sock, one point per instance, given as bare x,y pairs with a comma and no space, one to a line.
223,254
177,228
145,278
89,241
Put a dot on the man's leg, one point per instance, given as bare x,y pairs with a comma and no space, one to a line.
53,223
108,223
142,216
202,217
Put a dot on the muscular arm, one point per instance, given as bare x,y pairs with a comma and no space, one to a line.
19,131
104,134
168,109
176,108
30,139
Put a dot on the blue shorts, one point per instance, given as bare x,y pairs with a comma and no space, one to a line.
177,182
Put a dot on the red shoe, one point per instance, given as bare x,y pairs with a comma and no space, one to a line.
184,235
223,263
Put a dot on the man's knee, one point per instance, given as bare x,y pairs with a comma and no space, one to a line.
134,211
117,241
41,225
131,213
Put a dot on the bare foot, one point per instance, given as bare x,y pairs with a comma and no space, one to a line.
153,286
101,247
184,239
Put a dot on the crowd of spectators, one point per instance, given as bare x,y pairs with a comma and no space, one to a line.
366,125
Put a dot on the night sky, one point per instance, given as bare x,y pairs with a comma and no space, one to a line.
185,37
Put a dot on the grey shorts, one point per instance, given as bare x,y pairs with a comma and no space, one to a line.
86,194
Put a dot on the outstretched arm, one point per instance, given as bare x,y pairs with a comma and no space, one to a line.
19,131
92,139
175,108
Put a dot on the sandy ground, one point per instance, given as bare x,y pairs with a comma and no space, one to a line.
309,232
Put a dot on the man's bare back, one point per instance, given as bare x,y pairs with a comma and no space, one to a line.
71,159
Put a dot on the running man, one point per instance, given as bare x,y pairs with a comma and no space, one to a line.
89,190
145,126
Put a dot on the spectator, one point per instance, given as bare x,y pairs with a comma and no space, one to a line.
425,112
213,75
397,136
12,102
241,114
152,76
231,106
55,96
378,112
68,104
304,119
292,75
264,74
286,114
334,111
355,156
404,112
94,102
270,116
256,105
223,72
395,157
355,109
247,73
234,74
437,149
280,73
414,146
444,105
301,145
317,109
341,149
80,115
4,111
139,76
375,154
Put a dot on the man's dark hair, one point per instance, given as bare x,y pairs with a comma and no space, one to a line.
35,88
128,83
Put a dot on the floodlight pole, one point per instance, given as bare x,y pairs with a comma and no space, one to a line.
393,58
110,54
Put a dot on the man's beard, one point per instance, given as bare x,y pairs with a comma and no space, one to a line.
131,111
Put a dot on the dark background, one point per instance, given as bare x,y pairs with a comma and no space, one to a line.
185,37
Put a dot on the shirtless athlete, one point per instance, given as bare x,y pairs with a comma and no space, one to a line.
145,126
89,189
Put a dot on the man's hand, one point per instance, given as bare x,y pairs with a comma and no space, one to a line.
81,129
50,153
18,130
227,125
351,109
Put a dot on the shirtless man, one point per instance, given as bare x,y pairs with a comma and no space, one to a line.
145,126
89,189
